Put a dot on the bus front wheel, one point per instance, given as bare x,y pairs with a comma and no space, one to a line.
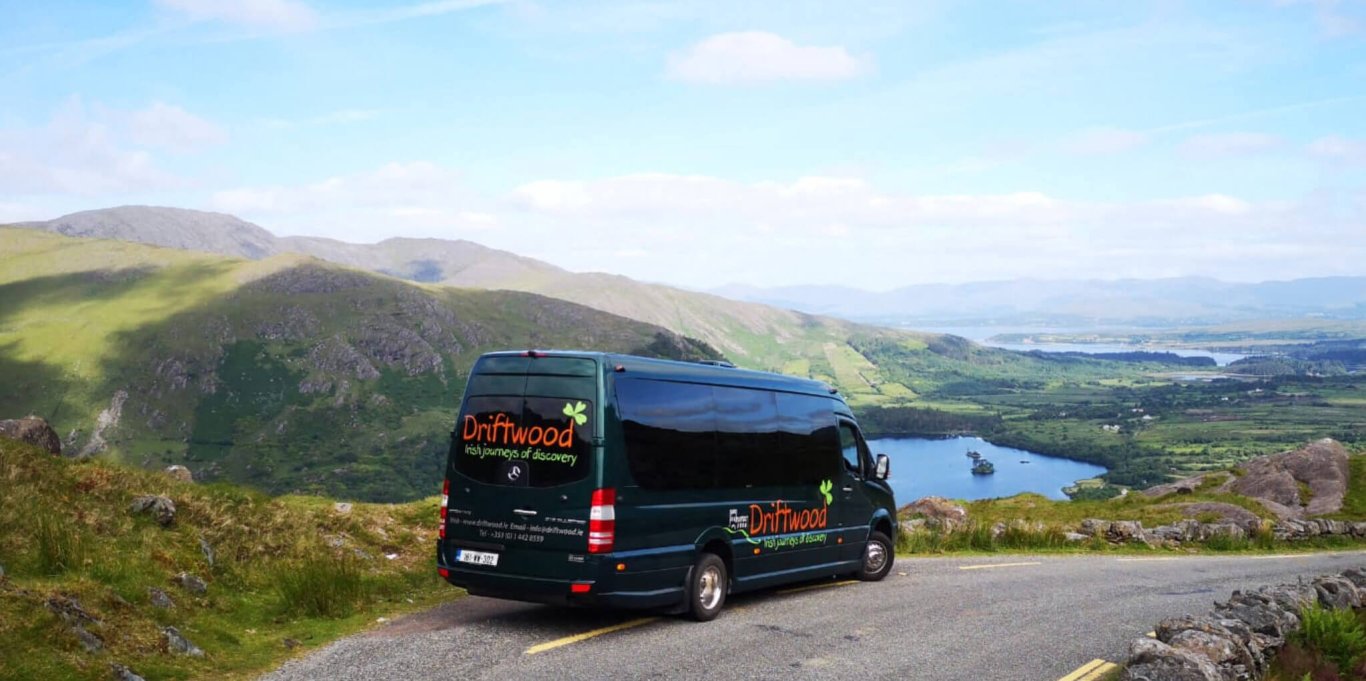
878,554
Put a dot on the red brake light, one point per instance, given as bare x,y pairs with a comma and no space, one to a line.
580,588
445,499
602,521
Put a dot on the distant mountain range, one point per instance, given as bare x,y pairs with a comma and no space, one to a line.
1141,302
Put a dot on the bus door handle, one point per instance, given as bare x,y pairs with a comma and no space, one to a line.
524,511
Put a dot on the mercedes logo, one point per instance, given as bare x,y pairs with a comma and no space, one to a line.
514,472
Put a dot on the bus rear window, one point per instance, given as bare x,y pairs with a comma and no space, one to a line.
524,441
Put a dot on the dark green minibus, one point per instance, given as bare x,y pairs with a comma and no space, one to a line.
619,481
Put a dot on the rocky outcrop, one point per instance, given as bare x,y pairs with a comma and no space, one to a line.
935,512
34,431
1239,637
1309,481
1321,467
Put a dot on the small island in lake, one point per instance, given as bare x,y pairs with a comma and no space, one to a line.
983,467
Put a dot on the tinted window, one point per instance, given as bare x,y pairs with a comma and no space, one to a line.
809,437
688,436
531,441
749,453
670,433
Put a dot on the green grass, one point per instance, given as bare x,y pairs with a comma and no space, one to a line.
287,567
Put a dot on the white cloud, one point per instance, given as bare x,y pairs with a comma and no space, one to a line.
171,127
1341,149
1231,144
82,150
758,56
1104,141
286,15
416,198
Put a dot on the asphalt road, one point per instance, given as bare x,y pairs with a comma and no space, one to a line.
1001,617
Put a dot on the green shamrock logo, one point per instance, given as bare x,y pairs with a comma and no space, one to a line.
575,411
825,490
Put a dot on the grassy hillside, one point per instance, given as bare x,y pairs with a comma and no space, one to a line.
289,572
295,375
286,373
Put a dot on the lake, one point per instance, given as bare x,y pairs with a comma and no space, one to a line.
984,334
923,467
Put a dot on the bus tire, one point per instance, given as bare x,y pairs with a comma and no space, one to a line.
707,584
878,555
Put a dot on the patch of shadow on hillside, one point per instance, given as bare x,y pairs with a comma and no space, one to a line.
35,388
170,285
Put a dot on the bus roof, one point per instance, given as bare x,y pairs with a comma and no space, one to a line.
689,372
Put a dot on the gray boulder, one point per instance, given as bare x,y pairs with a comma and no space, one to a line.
180,473
159,598
161,508
1153,660
191,583
122,673
34,431
1337,593
177,643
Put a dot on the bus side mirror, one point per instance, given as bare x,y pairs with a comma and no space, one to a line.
884,467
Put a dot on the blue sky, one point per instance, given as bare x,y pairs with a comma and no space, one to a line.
702,143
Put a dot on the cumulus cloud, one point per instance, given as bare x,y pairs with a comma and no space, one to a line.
1227,145
414,198
757,57
171,127
285,15
83,150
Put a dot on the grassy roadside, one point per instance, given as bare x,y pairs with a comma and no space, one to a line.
287,574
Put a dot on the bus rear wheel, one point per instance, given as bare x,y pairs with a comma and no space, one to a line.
707,587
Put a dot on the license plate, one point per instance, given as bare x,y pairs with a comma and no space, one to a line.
476,557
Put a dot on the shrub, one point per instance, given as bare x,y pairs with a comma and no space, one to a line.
1337,634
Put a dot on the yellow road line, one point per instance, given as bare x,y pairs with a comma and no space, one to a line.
1099,672
809,587
988,566
1085,670
551,645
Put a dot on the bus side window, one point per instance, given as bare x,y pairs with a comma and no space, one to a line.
849,449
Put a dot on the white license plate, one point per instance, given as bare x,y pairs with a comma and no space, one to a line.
476,557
